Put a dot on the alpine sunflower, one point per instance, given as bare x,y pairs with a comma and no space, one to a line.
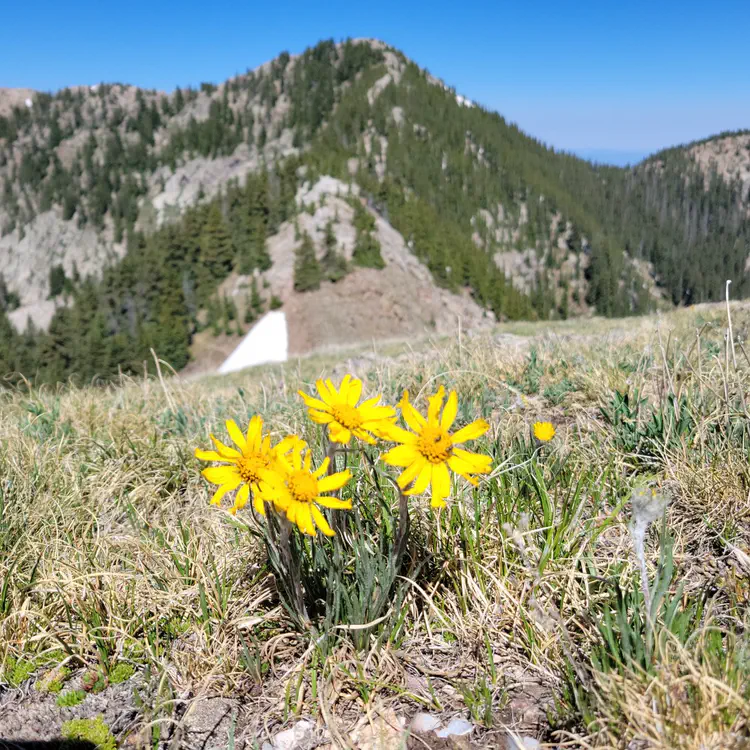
297,490
339,409
249,466
544,431
431,450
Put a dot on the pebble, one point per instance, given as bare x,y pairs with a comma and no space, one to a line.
424,722
456,728
290,739
514,742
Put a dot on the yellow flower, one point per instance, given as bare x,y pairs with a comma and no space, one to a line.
297,490
248,468
339,410
429,451
544,431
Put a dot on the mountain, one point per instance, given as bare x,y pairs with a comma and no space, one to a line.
135,220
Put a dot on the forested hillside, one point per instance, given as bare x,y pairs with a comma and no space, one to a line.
161,197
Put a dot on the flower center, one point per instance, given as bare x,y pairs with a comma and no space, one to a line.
435,444
347,416
303,486
251,467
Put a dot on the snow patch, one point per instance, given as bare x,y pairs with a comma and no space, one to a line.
267,341
463,101
28,103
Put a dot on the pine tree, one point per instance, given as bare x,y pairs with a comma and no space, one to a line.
213,316
256,301
249,312
307,272
334,264
57,281
216,251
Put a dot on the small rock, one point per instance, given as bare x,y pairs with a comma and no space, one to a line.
514,742
290,739
456,728
423,722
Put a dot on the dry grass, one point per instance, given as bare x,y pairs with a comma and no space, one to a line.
111,554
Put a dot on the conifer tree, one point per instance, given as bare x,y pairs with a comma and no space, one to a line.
334,264
256,301
216,244
307,272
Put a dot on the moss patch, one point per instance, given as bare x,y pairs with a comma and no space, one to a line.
90,730
71,698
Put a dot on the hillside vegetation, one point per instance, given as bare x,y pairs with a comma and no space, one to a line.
519,607
123,210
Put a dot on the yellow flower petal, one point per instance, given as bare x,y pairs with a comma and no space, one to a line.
339,434
471,431
411,416
288,443
363,436
334,481
320,417
398,434
441,485
376,413
450,411
355,391
325,394
480,464
434,404
410,473
240,501
321,522
297,458
422,481
228,453
304,519
314,403
236,434
401,455
335,503
228,487
322,469
461,467
221,474
344,387
336,394
369,403
208,455
254,433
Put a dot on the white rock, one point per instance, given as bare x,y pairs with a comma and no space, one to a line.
423,722
291,739
456,728
514,742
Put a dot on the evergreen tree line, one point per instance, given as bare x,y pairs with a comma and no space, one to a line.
153,297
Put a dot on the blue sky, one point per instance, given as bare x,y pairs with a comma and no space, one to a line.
597,77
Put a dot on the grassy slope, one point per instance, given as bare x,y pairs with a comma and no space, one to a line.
111,553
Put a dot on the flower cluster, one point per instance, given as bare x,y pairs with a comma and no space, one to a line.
282,475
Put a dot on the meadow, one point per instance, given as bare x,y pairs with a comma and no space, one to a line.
591,591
